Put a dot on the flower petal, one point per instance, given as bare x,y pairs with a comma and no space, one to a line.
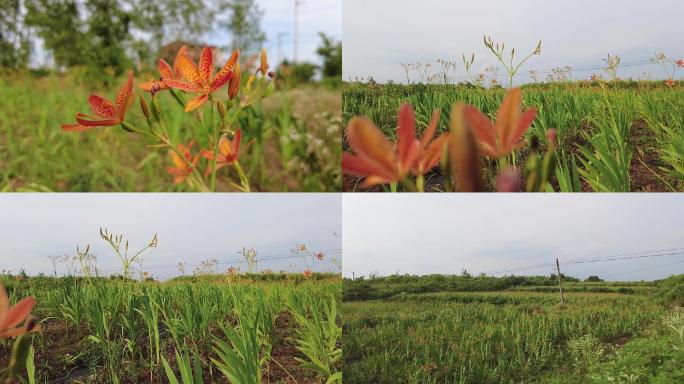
223,75
101,106
431,129
482,129
196,102
464,152
182,85
407,144
432,155
124,93
524,123
188,69
360,166
176,61
206,65
165,70
368,141
507,119
95,123
4,300
17,313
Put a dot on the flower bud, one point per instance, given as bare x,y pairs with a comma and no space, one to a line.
145,109
263,68
234,85
221,109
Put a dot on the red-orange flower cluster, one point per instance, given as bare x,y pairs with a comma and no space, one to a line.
227,151
381,161
199,79
182,166
106,113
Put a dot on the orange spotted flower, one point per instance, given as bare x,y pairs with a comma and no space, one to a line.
381,161
182,166
106,113
670,83
503,137
227,151
165,72
307,273
12,317
198,78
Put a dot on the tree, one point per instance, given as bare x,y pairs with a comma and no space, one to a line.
594,279
58,24
244,24
331,53
14,38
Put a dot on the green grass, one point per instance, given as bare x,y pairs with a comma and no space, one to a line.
512,335
291,141
619,137
128,331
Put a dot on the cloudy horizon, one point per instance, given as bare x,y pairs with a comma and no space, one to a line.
191,228
380,35
486,233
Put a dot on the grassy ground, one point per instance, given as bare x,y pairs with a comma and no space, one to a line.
511,336
97,330
291,142
620,137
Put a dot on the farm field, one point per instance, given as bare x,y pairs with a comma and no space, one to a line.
609,136
290,140
452,329
251,328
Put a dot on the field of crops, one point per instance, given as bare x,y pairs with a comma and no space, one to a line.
290,140
239,329
509,336
623,136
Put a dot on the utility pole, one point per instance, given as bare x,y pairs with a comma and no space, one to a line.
297,3
560,283
280,47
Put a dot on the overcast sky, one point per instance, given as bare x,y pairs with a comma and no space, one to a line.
381,34
443,233
314,16
191,228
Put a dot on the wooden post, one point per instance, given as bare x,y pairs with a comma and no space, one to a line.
560,283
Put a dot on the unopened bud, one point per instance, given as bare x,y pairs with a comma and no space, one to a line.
234,85
552,137
221,110
145,109
263,68
508,180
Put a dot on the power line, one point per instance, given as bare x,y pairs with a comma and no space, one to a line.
622,256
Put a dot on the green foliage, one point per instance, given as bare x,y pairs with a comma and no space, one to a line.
603,143
243,23
671,290
331,53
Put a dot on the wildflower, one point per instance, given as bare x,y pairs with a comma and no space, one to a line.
227,151
307,273
12,317
107,114
376,157
199,79
183,166
232,271
680,63
302,247
503,137
670,83
165,72
320,256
